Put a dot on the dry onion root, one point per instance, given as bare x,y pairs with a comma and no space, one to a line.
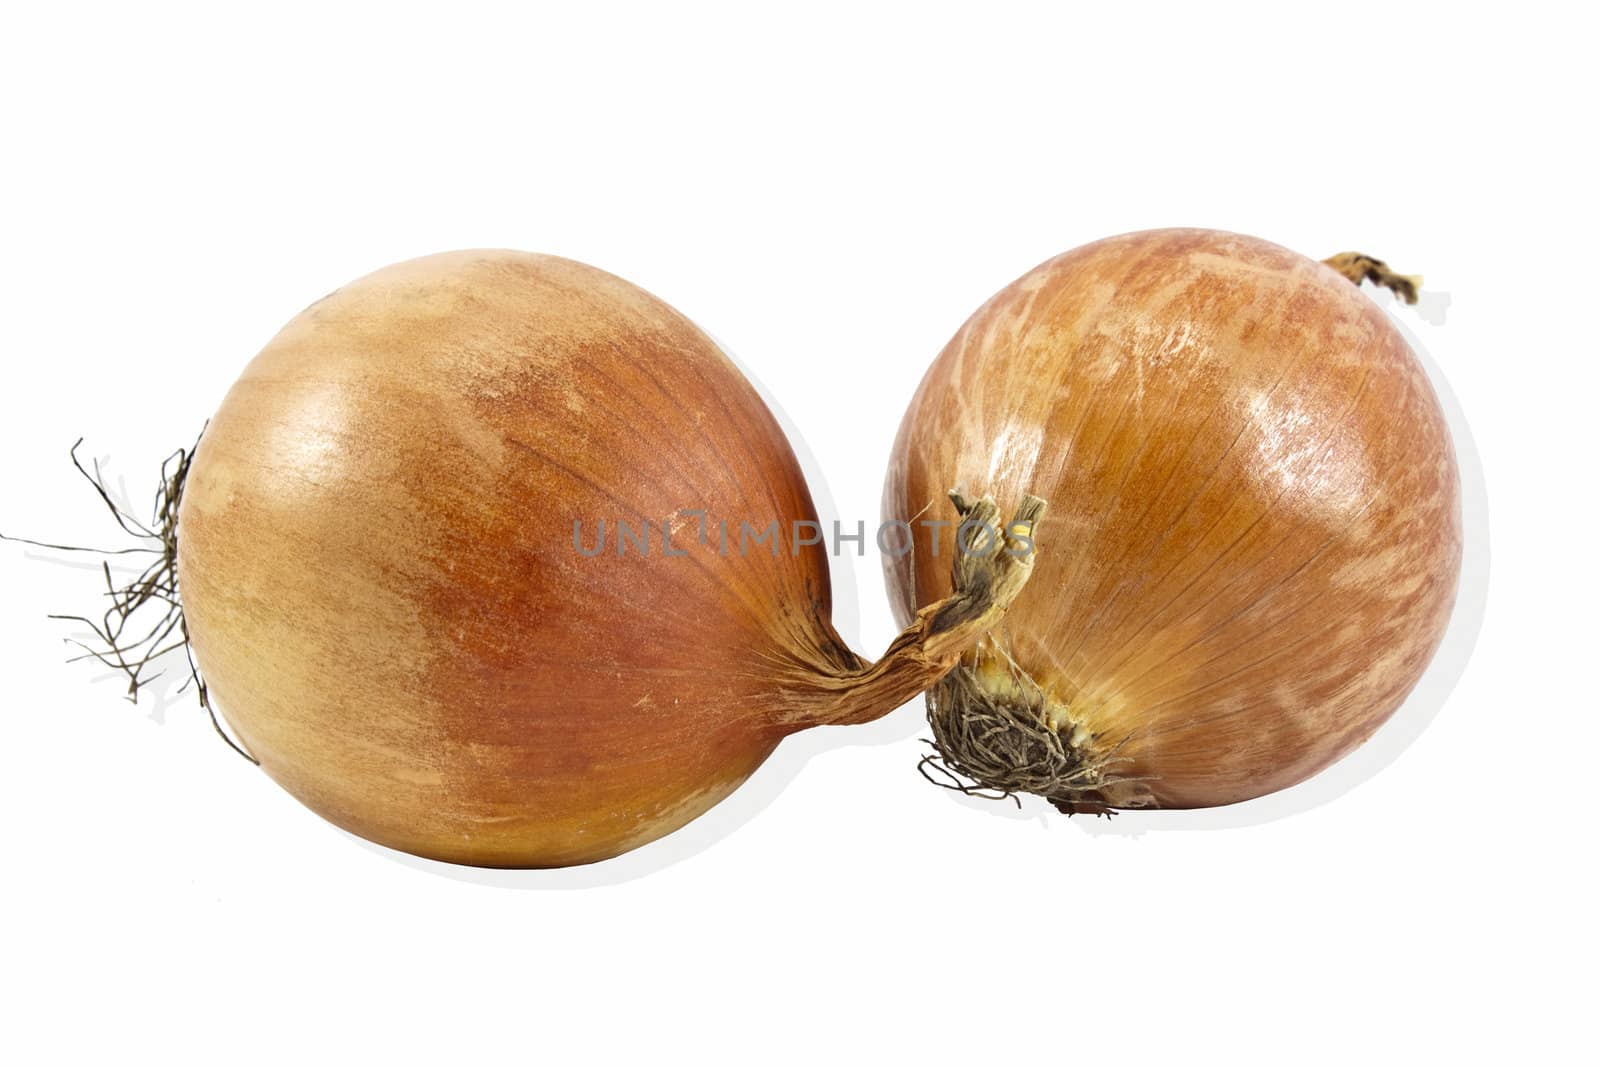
1255,522
387,584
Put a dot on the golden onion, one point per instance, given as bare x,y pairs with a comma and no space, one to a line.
385,552
1254,521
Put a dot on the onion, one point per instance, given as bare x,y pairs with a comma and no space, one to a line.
1255,522
385,553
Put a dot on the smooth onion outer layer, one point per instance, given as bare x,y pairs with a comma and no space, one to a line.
385,593
1254,518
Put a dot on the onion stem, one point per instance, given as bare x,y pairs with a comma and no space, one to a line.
1360,267
984,582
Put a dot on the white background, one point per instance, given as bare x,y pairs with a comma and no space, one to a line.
829,190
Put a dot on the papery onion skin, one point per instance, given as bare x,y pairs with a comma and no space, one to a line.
378,571
1255,510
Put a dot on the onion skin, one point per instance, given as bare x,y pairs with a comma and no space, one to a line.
1255,521
377,564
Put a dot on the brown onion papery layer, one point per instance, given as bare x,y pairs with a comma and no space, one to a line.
379,576
1255,518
